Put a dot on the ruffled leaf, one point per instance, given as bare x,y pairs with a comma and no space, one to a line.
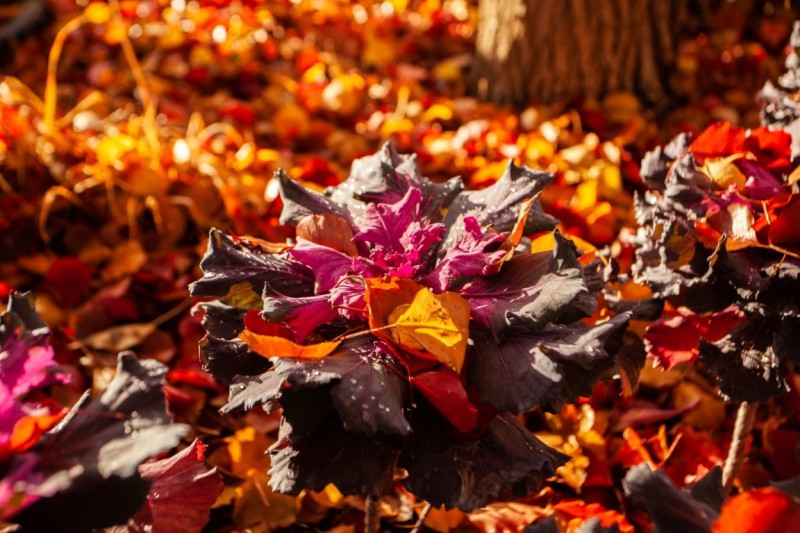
230,269
466,474
328,265
27,363
300,202
367,392
314,449
532,290
300,315
498,206
386,177
475,253
549,368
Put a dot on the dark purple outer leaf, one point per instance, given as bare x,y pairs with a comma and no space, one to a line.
107,438
227,359
367,391
467,474
548,368
220,320
709,489
93,435
498,205
789,486
545,525
248,391
532,290
386,177
314,449
21,314
673,509
227,263
299,202
745,363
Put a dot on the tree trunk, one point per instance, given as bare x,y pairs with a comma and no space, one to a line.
550,50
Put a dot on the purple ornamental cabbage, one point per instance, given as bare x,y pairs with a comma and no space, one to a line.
375,404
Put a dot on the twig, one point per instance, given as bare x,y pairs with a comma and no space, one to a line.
372,519
745,417
422,516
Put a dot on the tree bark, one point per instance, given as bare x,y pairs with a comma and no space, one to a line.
550,50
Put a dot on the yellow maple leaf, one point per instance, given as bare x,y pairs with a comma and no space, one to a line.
436,323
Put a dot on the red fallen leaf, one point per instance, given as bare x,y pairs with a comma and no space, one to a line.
650,446
675,340
579,511
194,378
197,75
447,394
182,492
178,402
785,226
780,447
69,280
766,510
694,454
254,323
598,473
238,111
5,290
772,148
317,170
718,140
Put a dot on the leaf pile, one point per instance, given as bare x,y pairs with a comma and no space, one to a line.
164,119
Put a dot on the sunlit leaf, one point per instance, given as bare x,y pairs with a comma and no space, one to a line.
274,346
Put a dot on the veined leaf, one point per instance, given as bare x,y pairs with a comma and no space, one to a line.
383,296
436,323
274,346
420,320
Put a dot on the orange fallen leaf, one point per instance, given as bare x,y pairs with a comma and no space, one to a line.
766,510
515,235
274,346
